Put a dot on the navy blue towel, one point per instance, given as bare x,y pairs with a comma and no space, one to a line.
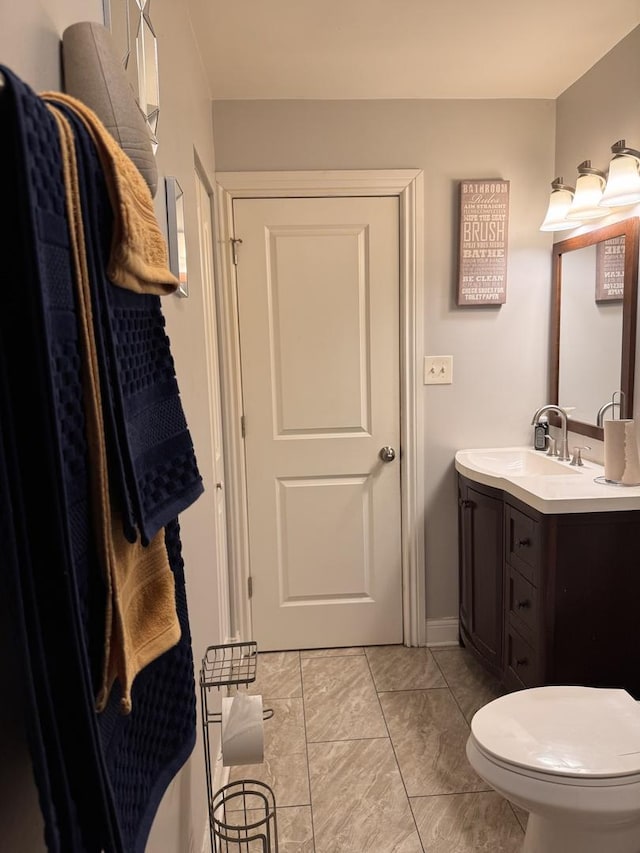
100,777
164,691
152,460
57,595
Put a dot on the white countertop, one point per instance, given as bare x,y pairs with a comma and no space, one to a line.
544,483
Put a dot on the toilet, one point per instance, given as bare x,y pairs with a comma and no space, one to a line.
570,756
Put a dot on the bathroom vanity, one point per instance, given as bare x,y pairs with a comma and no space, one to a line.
549,571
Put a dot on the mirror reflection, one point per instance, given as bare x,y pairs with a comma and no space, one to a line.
589,375
594,325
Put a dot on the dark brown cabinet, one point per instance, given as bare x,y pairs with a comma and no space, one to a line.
481,587
549,599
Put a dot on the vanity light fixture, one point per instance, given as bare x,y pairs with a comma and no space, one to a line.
559,205
623,181
589,186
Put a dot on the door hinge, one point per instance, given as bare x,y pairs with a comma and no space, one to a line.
243,426
235,241
250,586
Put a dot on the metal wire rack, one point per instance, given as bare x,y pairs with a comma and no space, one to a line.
243,815
232,663
248,819
228,665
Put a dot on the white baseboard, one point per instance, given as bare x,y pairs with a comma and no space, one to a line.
219,780
442,632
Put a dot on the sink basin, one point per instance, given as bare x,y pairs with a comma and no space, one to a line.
517,462
545,483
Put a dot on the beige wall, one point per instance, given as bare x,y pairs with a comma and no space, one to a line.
30,36
500,354
30,45
185,133
600,108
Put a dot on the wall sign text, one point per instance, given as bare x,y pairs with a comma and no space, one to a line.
484,228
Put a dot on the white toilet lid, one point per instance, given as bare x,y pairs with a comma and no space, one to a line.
568,731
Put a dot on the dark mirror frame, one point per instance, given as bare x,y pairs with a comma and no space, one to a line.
630,228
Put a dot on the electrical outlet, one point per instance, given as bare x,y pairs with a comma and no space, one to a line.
438,369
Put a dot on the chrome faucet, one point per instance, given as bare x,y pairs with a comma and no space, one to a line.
563,451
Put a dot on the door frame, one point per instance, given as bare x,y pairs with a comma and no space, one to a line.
407,185
213,347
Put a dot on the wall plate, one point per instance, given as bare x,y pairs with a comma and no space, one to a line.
438,369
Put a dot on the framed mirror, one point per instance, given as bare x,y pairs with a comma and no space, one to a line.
176,242
593,325
135,39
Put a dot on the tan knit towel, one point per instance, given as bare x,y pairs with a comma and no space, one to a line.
144,619
141,622
138,259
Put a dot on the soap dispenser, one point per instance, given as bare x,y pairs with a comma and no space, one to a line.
540,433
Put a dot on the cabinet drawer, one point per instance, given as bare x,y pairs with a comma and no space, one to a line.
522,603
522,660
523,543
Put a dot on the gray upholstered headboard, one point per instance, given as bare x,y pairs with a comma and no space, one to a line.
93,74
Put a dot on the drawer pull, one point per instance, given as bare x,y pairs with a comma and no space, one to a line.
524,543
523,604
465,504
522,662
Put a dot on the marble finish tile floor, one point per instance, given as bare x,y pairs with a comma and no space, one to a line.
365,753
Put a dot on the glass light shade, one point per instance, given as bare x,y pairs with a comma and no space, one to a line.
586,200
559,205
623,182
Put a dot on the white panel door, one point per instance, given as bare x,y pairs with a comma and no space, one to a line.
318,295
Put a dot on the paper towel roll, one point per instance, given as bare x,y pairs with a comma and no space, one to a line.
631,473
621,459
614,438
242,730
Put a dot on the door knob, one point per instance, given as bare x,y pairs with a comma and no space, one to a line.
387,454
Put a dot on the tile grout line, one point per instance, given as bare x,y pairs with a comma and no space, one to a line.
325,657
306,749
351,739
524,831
452,794
293,698
393,749
412,690
425,690
453,695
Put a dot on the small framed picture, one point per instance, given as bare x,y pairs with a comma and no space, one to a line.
484,229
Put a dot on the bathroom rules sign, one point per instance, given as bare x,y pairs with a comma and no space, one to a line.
610,269
484,227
